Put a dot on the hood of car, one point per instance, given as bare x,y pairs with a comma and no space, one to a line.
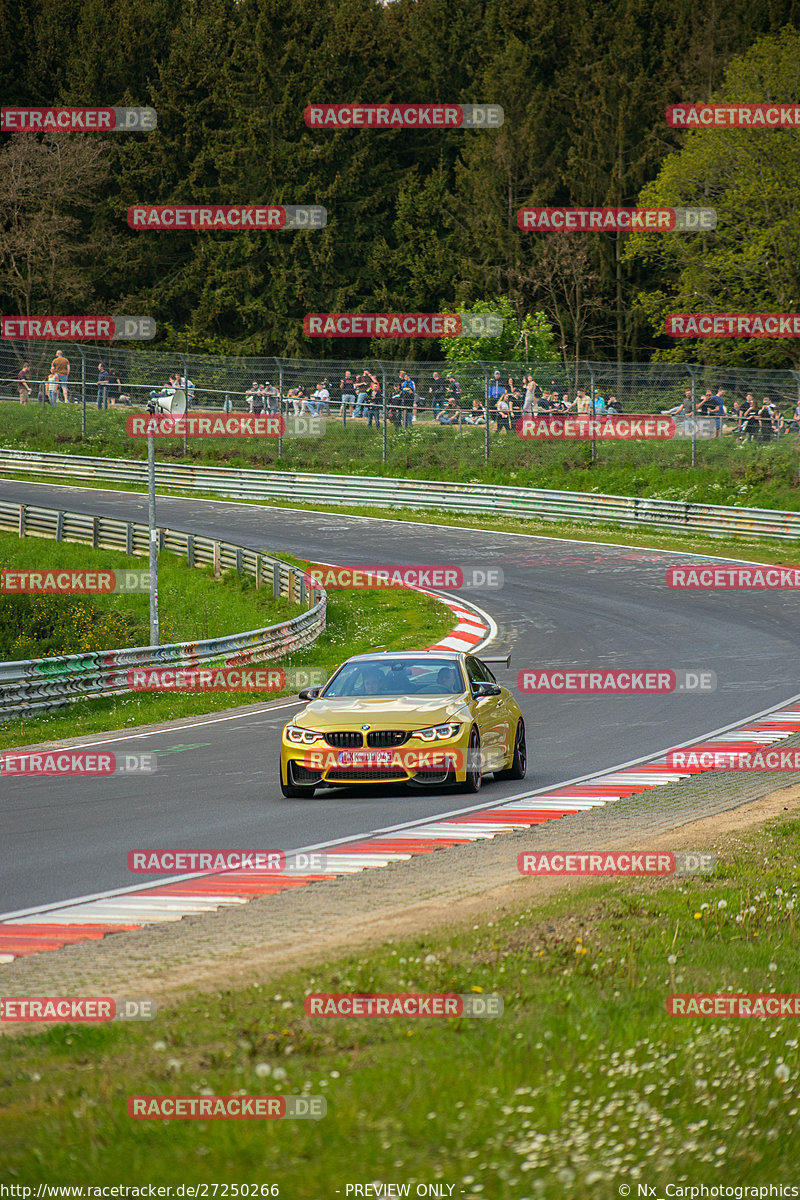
381,712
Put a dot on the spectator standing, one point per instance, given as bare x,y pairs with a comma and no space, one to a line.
717,410
408,396
438,393
362,388
454,387
766,417
375,401
23,387
103,379
60,365
251,395
496,389
750,421
272,398
52,388
347,392
530,395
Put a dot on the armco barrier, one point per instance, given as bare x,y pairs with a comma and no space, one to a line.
375,491
49,683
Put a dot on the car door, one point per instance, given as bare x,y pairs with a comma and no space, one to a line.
491,716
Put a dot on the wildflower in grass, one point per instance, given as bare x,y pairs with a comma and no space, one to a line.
772,966
262,1069
476,989
159,1046
722,904
672,959
697,916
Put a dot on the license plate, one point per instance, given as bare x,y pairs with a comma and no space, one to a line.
364,758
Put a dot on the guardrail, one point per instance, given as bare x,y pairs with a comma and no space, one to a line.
376,491
47,683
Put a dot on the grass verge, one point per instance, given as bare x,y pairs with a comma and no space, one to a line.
194,606
585,1085
727,471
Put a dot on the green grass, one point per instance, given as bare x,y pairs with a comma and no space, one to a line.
727,472
584,1084
194,606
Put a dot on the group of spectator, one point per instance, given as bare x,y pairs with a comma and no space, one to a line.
748,420
109,387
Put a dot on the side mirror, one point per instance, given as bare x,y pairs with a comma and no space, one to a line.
481,690
309,693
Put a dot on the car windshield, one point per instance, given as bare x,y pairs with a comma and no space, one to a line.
397,677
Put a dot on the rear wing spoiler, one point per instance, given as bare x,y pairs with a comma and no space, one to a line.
505,661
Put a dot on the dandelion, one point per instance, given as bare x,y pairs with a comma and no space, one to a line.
263,1069
722,904
772,966
279,1073
697,916
672,959
159,1046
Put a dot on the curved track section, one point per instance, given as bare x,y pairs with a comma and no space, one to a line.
563,604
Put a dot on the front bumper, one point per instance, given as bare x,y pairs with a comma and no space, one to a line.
414,762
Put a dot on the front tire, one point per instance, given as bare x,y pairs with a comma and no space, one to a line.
293,791
474,778
519,763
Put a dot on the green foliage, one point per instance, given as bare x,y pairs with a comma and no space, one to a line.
530,339
752,261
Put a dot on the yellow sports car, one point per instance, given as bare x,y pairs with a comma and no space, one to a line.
426,718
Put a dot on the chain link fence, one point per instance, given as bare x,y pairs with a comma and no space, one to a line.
371,405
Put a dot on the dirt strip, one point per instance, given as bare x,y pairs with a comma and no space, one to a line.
451,888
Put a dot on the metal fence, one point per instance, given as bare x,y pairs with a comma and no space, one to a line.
37,685
224,383
540,504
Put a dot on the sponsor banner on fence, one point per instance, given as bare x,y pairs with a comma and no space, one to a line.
729,325
417,325
323,1004
403,116
611,219
75,762
759,1004
623,682
76,1008
239,1107
694,578
234,217
74,120
230,425
734,760
733,116
379,578
224,679
263,861
77,329
615,862
549,427
414,761
73,583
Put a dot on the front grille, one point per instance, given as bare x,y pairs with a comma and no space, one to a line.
344,740
365,775
387,737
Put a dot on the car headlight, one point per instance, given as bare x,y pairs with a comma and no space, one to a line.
306,737
438,732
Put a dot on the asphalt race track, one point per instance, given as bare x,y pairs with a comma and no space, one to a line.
563,604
